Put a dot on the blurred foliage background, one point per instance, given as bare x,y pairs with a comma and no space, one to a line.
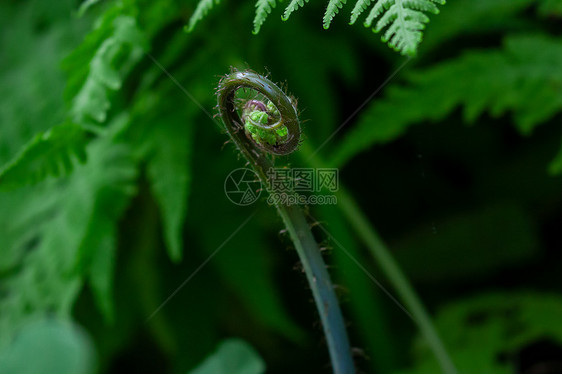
111,189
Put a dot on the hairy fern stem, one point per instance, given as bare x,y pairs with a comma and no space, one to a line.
255,143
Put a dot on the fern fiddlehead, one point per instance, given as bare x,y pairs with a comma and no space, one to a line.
271,126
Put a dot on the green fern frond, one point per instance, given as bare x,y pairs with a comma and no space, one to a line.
165,140
358,9
518,78
203,7
64,230
550,8
112,188
263,8
405,21
333,8
51,153
68,227
48,154
293,5
108,54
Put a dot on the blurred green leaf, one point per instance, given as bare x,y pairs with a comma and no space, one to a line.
479,329
203,7
472,244
163,135
551,8
521,78
49,346
86,4
59,252
100,64
49,153
31,81
460,18
555,166
112,187
233,356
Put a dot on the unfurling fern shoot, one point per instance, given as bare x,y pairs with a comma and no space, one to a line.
268,124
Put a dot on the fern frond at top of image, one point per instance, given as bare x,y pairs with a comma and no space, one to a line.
403,20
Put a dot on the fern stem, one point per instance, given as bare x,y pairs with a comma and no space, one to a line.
380,252
292,215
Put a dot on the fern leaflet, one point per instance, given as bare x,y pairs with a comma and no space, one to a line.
203,7
359,8
405,20
293,5
49,153
333,8
263,8
109,62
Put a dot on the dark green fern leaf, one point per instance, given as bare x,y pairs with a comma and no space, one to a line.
166,143
520,78
100,65
112,187
468,17
48,154
74,240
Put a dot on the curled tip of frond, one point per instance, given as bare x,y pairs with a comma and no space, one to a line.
272,126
